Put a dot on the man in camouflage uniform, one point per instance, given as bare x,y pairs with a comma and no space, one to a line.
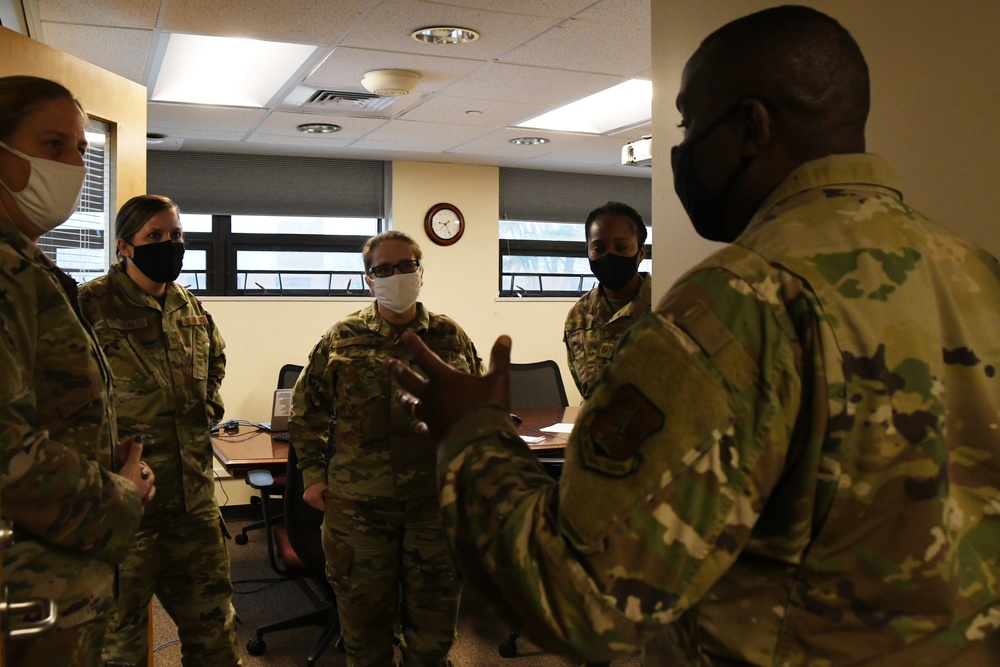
616,238
795,460
167,359
382,533
73,518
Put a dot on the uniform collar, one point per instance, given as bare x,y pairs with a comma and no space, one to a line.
135,296
375,322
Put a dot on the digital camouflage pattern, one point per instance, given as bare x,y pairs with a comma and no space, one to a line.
74,519
593,330
382,527
168,362
795,460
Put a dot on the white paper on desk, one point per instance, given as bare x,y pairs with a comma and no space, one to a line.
558,428
532,439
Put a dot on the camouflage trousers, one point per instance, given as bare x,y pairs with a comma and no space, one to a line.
79,646
388,563
182,558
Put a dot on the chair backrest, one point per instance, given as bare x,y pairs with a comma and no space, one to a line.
288,375
537,385
302,523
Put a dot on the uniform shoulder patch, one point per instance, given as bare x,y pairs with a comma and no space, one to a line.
611,436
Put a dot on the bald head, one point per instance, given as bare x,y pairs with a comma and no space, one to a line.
802,65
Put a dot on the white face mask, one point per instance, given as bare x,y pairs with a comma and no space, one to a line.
397,292
52,193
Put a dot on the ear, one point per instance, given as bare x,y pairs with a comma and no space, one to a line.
122,246
371,288
756,127
642,254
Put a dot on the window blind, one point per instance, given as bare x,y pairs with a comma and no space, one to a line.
550,196
268,185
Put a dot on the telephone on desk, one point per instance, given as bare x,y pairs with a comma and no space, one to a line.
284,436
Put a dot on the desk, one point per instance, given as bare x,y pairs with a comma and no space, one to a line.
250,449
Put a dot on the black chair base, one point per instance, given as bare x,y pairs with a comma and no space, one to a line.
325,617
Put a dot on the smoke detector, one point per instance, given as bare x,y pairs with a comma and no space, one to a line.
390,82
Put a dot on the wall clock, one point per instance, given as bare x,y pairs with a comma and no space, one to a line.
444,224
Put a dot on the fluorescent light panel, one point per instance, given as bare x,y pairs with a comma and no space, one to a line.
626,104
227,71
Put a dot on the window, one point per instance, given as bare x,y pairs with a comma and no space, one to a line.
543,249
80,246
242,255
272,226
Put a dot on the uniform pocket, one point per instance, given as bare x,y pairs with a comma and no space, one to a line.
339,557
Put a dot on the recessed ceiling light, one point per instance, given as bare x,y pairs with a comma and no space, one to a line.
445,35
529,141
155,138
318,128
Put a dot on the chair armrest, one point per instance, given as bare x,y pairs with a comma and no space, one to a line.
260,479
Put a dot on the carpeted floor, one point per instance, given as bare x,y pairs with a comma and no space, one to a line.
258,603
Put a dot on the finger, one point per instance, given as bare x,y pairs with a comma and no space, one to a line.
405,376
135,451
500,355
429,362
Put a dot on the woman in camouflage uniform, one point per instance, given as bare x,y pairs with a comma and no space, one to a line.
73,518
385,550
166,356
616,239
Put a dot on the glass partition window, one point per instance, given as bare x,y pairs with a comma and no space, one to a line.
81,246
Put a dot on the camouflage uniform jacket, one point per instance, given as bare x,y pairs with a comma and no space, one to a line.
74,520
799,448
593,330
167,362
377,452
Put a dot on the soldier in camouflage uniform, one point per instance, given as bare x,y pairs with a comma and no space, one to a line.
616,238
73,518
167,359
795,461
387,559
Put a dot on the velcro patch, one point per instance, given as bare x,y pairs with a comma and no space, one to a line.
611,437
194,320
127,325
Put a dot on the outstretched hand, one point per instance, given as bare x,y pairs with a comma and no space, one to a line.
439,401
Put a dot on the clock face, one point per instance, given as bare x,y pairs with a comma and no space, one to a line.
445,223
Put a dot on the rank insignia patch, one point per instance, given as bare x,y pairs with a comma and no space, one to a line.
612,436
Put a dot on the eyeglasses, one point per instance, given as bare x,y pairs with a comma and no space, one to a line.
386,270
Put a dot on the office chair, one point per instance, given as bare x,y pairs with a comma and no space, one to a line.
297,543
257,479
537,385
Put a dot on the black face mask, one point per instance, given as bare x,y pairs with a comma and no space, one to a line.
707,213
614,271
160,262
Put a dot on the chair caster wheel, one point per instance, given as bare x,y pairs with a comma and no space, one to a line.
507,649
241,538
256,646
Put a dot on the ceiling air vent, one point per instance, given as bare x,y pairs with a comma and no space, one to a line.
342,100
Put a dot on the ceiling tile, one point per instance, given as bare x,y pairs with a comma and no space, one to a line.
345,68
283,124
455,110
110,13
635,13
202,121
588,47
551,8
443,135
119,50
518,83
321,22
389,27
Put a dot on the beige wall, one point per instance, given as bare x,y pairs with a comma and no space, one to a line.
934,72
459,280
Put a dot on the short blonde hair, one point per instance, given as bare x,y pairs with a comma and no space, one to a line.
392,235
